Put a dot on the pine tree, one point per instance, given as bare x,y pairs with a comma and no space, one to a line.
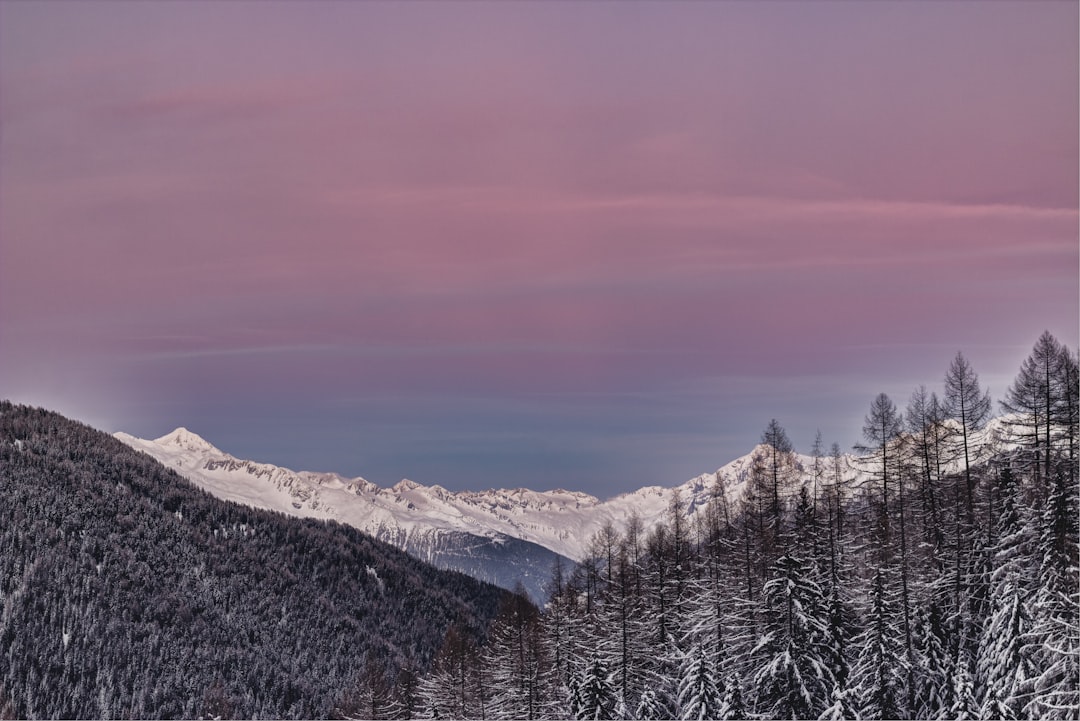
699,695
406,697
680,563
970,407
558,619
454,688
931,677
835,502
794,678
1055,607
923,421
779,461
711,592
596,692
841,707
1003,668
514,656
1069,403
880,671
964,706
749,526
649,707
818,500
625,615
881,429
733,707
371,696
839,634
1033,402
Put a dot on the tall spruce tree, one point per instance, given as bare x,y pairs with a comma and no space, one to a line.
794,677
1055,606
881,429
518,672
969,406
1033,403
779,455
596,692
700,692
1003,668
880,672
922,423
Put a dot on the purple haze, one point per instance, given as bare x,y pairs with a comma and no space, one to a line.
594,246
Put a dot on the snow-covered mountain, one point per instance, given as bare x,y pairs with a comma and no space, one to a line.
502,535
560,521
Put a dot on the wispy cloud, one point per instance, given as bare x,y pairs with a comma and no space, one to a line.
720,208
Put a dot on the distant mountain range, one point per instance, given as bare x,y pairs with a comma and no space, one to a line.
503,536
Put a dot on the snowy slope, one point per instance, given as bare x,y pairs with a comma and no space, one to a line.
399,515
405,514
417,518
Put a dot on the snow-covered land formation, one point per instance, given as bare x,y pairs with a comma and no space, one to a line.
498,535
933,575
126,591
502,536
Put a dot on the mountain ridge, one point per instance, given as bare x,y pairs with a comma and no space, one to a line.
560,520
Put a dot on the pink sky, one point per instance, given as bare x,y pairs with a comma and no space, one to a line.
594,245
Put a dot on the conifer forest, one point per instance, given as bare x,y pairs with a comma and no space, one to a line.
933,574
940,584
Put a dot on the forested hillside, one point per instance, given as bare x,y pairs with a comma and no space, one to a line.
944,584
941,580
127,592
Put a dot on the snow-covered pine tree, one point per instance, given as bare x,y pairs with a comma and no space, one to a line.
881,454
556,631
841,707
1002,666
793,677
733,707
923,425
777,459
748,527
596,692
452,689
1069,413
622,616
650,707
1004,669
1027,404
964,706
1055,693
968,405
714,583
827,569
405,702
662,617
838,492
1055,607
932,694
880,671
517,667
700,693
682,562
841,629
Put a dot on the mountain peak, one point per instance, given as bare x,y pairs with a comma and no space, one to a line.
183,438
